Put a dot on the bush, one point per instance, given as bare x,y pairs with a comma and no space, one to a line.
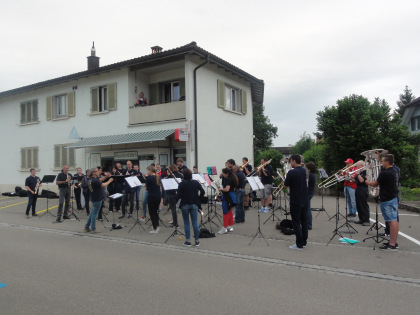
410,194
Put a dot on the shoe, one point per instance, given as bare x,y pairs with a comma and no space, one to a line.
58,221
154,231
141,219
197,244
295,247
173,225
387,246
94,232
359,222
396,244
223,230
130,216
353,215
266,210
383,235
187,244
366,223
121,217
229,228
34,215
101,220
261,209
238,221
66,217
27,215
158,229
160,210
87,230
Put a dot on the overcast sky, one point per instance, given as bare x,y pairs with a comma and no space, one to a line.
309,53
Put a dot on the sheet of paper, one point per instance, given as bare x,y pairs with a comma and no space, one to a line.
116,196
133,181
200,179
169,184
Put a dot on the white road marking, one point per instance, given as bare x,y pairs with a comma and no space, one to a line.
402,234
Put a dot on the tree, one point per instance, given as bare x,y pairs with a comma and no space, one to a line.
355,125
303,144
264,131
405,98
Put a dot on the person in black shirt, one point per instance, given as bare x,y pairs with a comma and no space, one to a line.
229,183
86,191
296,181
266,174
171,194
247,170
113,188
362,194
180,164
239,195
154,196
30,185
128,191
388,194
190,203
63,181
310,166
77,190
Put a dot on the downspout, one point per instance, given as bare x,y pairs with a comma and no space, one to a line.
195,108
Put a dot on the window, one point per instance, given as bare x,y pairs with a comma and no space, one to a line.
171,92
166,92
29,158
231,98
103,98
415,123
63,156
60,106
29,112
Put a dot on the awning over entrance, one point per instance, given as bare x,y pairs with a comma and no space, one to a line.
147,136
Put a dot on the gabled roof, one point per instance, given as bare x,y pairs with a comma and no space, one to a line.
414,102
257,85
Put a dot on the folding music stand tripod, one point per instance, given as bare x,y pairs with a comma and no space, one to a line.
375,226
273,209
48,179
210,204
134,184
259,231
113,197
336,216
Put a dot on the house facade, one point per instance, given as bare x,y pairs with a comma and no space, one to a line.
91,118
411,116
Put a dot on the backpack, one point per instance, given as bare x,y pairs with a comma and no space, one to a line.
286,226
204,233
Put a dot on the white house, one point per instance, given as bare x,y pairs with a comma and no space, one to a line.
411,116
186,87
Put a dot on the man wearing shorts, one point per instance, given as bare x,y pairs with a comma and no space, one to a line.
266,175
388,194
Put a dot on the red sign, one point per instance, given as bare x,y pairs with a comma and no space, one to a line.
181,134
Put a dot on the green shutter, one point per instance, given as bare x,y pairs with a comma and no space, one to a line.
221,94
57,156
49,107
244,102
35,152
94,107
35,110
22,113
70,104
112,96
154,94
22,158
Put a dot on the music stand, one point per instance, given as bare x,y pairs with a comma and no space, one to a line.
256,185
375,226
323,174
114,197
48,179
134,182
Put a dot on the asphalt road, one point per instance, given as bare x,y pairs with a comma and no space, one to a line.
58,269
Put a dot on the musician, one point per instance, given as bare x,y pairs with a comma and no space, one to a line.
350,189
104,192
86,190
247,170
188,191
138,188
311,169
239,195
296,181
119,168
229,183
230,163
77,190
159,170
171,194
154,196
96,186
397,169
30,185
195,169
180,164
128,192
114,188
362,194
388,194
63,181
266,174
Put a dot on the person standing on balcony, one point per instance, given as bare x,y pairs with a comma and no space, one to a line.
141,100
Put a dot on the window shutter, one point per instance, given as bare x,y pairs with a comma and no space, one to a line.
35,153
28,112
22,158
244,102
72,158
95,99
154,94
22,113
29,158
221,94
57,156
49,107
112,96
64,155
70,104
35,110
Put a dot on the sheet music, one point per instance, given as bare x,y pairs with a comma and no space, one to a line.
170,183
133,181
255,183
116,196
200,179
207,178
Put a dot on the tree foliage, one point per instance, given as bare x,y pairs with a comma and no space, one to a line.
264,131
272,154
405,98
303,144
355,125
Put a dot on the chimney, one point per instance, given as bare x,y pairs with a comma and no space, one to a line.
93,61
156,49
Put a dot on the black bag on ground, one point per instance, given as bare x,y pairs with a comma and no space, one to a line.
48,194
18,189
204,233
286,226
23,193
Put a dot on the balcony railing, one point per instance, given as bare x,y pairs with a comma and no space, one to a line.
157,113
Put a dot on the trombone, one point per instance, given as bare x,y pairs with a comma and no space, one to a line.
335,178
257,169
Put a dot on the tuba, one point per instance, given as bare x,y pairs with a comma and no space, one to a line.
373,167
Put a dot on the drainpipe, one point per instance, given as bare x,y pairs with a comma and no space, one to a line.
195,108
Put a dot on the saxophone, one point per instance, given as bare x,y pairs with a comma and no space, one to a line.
38,183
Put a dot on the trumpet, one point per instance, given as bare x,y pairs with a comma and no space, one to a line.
335,178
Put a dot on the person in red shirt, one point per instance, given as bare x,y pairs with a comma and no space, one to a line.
350,189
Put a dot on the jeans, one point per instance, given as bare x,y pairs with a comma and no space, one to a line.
240,210
187,211
91,221
64,197
31,203
145,203
138,188
350,194
299,216
309,213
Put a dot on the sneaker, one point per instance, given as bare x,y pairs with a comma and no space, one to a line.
197,244
173,225
266,209
141,219
121,217
295,247
229,228
94,232
160,210
366,223
130,216
58,221
261,209
387,246
87,230
396,244
66,217
383,235
34,215
158,229
223,230
187,244
154,231
359,222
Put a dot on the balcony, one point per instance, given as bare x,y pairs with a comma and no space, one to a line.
157,113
